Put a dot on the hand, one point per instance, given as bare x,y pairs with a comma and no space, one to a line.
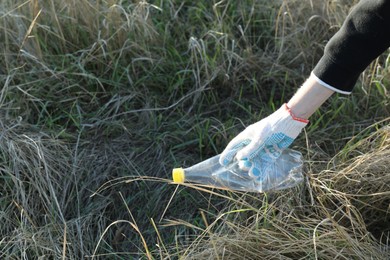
261,143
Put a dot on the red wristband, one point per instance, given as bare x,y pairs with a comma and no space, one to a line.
295,117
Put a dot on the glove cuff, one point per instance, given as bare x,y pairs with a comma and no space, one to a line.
306,121
289,123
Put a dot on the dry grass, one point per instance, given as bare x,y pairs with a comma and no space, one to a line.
342,213
100,99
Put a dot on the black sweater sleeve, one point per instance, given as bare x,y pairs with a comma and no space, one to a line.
364,35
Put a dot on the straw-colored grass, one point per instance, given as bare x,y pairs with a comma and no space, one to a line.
341,213
100,99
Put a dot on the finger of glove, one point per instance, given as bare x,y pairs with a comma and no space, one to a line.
255,146
231,150
245,165
250,151
258,170
274,146
265,168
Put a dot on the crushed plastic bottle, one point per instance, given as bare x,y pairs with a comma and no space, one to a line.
285,172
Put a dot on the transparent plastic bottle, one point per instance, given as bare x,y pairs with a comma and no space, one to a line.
285,172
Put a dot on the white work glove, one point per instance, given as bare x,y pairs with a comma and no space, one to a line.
262,143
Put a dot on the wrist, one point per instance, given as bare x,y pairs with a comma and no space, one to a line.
283,121
308,98
294,116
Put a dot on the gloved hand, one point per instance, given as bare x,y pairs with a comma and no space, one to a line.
262,143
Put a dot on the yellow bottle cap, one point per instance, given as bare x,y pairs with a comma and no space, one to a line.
178,175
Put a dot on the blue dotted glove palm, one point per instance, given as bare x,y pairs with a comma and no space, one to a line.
261,143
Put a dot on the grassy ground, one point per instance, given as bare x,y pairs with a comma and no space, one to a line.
100,99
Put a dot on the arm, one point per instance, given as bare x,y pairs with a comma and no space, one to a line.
309,98
364,35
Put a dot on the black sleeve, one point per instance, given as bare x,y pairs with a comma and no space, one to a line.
364,35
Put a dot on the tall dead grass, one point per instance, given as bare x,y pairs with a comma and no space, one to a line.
93,92
341,213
